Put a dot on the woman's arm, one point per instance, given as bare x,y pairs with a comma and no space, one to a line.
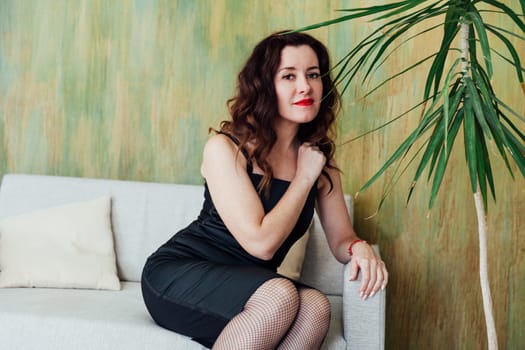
335,220
238,203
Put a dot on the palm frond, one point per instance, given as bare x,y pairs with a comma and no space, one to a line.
456,99
469,132
521,68
399,74
513,52
499,29
473,14
358,13
387,123
508,11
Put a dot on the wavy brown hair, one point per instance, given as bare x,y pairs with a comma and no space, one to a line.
254,108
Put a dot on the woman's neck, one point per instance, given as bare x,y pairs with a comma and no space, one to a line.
286,137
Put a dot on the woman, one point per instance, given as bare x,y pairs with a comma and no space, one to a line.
264,171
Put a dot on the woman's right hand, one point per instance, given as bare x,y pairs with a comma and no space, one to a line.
310,162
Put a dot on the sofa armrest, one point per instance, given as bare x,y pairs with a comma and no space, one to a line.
363,320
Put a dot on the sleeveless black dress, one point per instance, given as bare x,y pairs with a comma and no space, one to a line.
201,278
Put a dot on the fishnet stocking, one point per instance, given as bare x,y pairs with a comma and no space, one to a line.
278,315
266,318
311,323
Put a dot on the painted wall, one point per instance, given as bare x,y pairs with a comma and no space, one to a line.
128,89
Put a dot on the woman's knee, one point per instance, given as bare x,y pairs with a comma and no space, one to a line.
315,303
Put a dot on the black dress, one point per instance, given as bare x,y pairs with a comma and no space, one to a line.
200,279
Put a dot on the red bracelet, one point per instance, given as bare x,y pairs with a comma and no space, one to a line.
352,245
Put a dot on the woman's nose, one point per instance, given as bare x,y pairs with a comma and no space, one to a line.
303,85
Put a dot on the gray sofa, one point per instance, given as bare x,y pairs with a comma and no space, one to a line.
143,216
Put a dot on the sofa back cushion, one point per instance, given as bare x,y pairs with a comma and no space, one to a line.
145,215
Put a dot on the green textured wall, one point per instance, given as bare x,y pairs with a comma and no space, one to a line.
128,90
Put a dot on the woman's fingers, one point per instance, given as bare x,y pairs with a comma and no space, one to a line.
385,276
354,270
310,161
365,277
379,280
374,276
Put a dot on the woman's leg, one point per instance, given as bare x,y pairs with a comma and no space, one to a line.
311,323
265,319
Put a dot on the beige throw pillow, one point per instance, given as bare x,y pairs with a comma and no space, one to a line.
69,246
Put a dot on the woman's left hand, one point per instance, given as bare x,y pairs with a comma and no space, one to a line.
374,275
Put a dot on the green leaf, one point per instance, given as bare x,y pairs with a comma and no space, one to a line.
499,29
470,142
385,124
482,177
507,59
519,158
491,113
484,42
512,50
513,127
401,26
377,8
519,146
435,147
386,32
451,29
508,108
397,47
399,74
427,121
402,148
445,154
329,22
397,175
459,96
446,112
472,45
360,12
487,168
476,106
408,6
508,11
435,141
438,177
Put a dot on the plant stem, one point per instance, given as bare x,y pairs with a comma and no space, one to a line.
483,271
492,337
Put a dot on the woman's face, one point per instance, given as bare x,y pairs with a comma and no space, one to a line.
298,84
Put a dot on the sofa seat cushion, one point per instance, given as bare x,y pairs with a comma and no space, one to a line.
41,318
38,318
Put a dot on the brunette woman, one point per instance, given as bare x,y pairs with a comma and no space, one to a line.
265,170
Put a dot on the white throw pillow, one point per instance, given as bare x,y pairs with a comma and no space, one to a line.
69,246
292,264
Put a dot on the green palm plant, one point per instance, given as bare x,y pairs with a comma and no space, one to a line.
458,93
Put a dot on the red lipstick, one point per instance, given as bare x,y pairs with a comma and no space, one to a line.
304,102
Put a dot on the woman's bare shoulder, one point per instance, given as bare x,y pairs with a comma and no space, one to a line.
220,149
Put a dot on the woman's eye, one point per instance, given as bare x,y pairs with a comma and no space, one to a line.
288,77
314,75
